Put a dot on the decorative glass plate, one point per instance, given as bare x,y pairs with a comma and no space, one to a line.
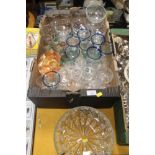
84,131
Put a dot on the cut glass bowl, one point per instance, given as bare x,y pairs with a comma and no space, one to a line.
84,131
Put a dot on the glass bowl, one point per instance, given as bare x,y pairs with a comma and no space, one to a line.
51,79
84,131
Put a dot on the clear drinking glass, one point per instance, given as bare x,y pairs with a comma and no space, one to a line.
95,13
65,78
84,130
94,53
84,34
78,21
84,44
72,51
62,27
98,38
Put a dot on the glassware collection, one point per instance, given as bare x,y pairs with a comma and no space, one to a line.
76,51
75,54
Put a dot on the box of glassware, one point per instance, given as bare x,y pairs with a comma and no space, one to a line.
121,52
75,63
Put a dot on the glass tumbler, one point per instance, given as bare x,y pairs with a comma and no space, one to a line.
78,21
84,44
72,51
94,53
84,34
95,13
62,27
98,38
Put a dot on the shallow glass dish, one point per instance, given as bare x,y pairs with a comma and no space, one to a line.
84,131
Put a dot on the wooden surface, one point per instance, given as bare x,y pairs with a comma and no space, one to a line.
46,120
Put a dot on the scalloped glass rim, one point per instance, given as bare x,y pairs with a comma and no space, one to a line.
100,114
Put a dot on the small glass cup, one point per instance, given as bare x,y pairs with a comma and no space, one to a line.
84,44
51,79
83,34
98,38
94,53
72,51
72,41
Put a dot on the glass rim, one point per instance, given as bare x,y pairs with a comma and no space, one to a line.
49,86
98,34
96,5
82,29
98,49
75,38
67,54
81,43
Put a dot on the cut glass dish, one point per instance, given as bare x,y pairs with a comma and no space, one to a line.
84,131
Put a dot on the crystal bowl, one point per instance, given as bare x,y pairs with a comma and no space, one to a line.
84,131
